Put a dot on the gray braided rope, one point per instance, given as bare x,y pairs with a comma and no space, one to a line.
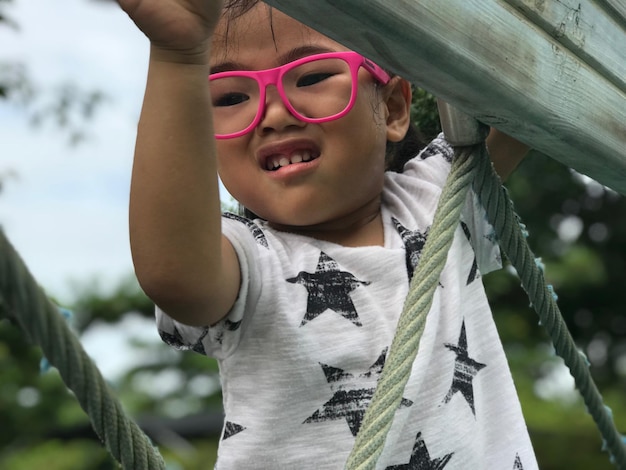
502,216
23,301
379,416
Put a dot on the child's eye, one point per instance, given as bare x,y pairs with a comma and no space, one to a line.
313,78
230,99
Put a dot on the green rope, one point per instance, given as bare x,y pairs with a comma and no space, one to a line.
379,416
512,241
23,301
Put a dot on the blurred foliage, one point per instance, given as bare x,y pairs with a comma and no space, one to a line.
93,304
574,229
424,113
53,454
575,226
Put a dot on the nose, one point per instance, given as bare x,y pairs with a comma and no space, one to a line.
275,114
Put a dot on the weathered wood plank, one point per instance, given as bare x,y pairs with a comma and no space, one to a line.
615,8
490,60
591,34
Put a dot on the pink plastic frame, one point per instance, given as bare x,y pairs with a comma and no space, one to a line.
274,77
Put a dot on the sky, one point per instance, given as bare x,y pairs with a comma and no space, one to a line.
64,207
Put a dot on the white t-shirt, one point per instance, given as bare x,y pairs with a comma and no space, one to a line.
302,349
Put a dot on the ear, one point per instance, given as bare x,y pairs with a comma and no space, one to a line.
397,95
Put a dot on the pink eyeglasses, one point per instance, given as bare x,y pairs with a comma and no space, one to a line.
315,89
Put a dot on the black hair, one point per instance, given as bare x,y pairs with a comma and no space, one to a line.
235,8
398,153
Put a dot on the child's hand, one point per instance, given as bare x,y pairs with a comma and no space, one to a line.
182,28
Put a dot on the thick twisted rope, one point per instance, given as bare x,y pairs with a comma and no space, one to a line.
512,241
23,301
379,416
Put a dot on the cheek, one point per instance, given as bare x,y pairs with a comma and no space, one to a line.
367,128
371,108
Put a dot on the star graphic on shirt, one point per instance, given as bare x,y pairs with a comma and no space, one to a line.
255,230
329,288
414,242
420,458
465,368
175,340
352,395
228,326
517,465
438,147
230,429
473,274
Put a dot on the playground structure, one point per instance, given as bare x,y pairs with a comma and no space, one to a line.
550,73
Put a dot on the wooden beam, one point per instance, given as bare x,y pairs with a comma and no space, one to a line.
595,43
551,73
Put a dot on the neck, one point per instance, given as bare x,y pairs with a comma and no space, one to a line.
362,229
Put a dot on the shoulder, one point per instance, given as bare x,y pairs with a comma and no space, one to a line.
438,147
238,227
430,166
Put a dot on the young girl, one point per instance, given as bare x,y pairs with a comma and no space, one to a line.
300,304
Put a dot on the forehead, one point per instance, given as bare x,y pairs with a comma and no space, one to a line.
262,36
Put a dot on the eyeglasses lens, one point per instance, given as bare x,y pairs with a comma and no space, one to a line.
315,90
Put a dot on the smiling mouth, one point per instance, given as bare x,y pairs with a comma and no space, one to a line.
277,162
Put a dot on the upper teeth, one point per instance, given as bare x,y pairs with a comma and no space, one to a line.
279,161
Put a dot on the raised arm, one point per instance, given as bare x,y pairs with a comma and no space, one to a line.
506,152
181,259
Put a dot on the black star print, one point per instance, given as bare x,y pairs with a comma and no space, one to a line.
256,231
420,458
517,465
232,325
473,274
352,395
465,368
176,341
329,288
414,242
230,429
438,147
228,326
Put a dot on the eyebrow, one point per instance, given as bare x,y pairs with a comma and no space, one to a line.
302,51
291,55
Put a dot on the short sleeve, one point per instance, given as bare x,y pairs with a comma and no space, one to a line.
221,339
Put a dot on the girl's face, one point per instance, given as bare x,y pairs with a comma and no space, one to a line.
339,186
